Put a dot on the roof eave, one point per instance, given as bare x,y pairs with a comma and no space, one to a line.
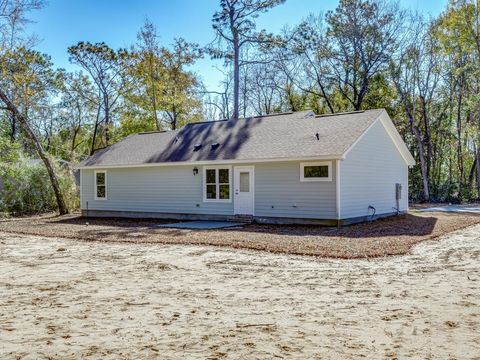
211,162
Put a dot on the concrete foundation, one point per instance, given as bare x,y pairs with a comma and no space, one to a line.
257,219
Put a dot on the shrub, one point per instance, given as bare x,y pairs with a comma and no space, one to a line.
25,186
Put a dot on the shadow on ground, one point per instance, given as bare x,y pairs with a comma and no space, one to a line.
403,225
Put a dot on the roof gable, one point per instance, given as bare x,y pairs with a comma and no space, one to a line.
397,139
394,136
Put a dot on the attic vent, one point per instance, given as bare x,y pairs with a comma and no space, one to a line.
197,147
215,146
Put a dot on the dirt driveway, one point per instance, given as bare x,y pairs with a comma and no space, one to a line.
71,299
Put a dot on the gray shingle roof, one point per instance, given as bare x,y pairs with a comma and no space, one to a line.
290,135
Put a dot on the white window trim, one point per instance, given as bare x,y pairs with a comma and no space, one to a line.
95,183
316,179
204,183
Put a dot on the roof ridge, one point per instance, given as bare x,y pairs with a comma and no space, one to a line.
251,117
205,122
340,113
348,112
269,115
151,132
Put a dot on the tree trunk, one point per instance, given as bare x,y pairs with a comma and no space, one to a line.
95,131
329,104
423,166
73,146
174,118
461,167
427,138
244,95
421,155
154,92
154,110
472,172
107,120
478,172
236,75
13,129
62,207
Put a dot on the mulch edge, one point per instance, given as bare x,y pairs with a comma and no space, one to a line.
244,247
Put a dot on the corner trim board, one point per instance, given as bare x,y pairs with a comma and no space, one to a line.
338,189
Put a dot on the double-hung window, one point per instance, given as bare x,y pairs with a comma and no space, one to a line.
100,185
217,184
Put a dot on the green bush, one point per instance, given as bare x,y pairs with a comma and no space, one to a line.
25,189
70,191
25,185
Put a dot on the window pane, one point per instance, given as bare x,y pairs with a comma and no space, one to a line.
244,182
224,192
223,176
100,178
100,191
211,191
210,176
315,171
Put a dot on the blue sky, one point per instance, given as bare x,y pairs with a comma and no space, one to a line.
65,22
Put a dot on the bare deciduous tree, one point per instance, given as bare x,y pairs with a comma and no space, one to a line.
105,67
365,34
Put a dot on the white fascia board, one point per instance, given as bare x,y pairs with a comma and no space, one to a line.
211,162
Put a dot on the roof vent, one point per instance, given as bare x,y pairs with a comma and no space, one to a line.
197,147
317,135
215,146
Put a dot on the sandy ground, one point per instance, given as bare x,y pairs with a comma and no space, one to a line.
72,299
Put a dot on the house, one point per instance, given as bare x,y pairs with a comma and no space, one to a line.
280,168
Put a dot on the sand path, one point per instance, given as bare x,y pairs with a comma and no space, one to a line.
70,299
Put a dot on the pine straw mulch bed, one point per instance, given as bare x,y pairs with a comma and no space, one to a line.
391,236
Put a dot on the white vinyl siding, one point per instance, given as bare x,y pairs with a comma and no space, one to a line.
280,193
174,189
369,173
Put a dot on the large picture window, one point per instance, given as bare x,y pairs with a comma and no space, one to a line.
217,183
316,171
100,185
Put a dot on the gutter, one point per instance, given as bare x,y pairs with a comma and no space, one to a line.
210,162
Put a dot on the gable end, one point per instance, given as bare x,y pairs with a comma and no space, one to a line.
393,135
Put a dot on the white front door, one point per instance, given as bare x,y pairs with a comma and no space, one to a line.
243,183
